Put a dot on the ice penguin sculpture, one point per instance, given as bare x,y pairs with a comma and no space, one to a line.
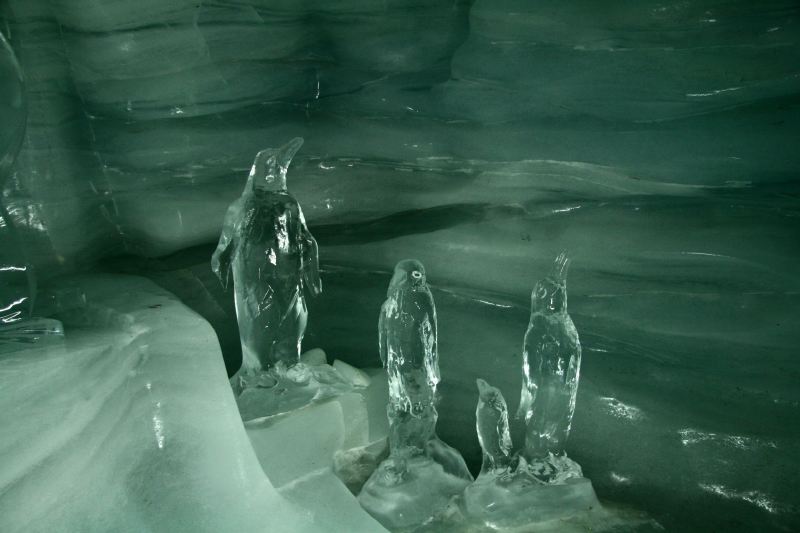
272,257
538,483
491,421
407,343
421,473
551,358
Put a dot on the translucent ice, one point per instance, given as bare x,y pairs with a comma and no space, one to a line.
17,277
13,108
654,140
129,425
422,473
267,247
316,456
407,338
491,418
551,359
272,257
282,390
509,493
513,493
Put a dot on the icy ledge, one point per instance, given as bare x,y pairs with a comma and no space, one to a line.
130,425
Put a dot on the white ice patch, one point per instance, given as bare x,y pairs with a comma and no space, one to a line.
158,428
282,234
617,478
691,436
751,496
622,410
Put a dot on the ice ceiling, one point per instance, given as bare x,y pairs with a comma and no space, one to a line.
655,140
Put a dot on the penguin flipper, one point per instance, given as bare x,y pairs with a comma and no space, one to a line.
221,262
311,263
222,258
383,348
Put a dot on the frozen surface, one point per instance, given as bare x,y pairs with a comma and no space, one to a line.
679,437
280,390
404,496
655,141
312,455
17,275
130,425
516,504
569,508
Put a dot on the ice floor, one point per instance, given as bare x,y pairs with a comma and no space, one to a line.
667,424
656,141
129,424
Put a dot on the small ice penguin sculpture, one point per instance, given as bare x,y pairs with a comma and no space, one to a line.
421,473
267,247
551,359
539,483
491,421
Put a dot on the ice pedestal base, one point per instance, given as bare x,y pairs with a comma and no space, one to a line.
282,390
505,505
405,493
518,503
302,451
130,425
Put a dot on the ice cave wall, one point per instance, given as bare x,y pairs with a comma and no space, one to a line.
654,140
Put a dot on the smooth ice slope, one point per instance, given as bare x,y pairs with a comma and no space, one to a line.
303,453
130,425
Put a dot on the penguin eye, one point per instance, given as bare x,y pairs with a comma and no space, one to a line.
541,292
416,274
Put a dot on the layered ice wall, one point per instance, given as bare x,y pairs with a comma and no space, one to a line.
179,96
656,141
56,195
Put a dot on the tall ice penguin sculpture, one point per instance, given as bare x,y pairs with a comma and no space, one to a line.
551,360
272,256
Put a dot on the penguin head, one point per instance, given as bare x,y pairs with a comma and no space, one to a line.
491,396
408,274
268,172
550,293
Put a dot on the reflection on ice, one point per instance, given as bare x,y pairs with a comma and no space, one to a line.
691,436
617,478
756,498
622,410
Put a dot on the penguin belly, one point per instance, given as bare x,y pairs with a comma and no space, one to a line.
270,305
